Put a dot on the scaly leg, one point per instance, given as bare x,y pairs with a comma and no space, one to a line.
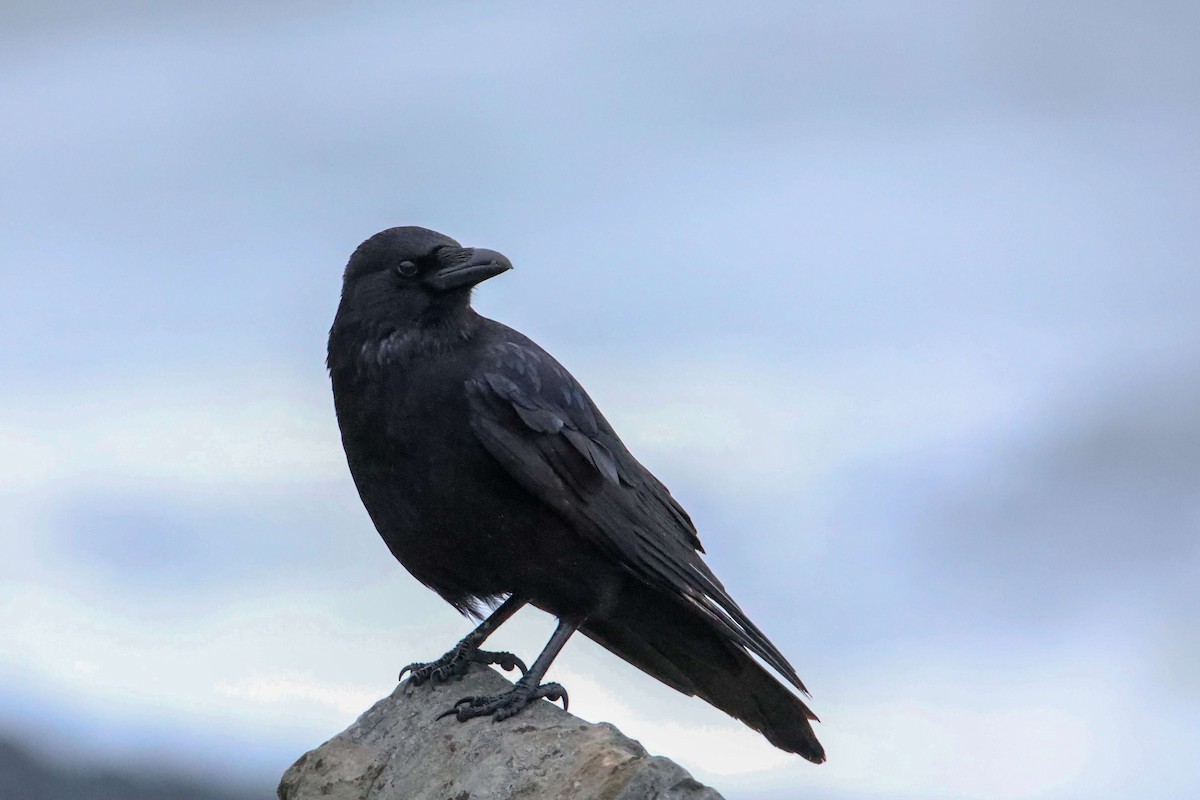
455,663
528,688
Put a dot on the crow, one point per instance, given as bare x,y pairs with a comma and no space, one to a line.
496,481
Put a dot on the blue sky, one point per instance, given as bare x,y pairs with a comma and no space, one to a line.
899,301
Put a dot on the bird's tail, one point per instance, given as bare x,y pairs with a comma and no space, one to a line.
664,638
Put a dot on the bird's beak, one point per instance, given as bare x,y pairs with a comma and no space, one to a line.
466,267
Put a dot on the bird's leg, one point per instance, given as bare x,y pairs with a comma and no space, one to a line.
455,663
528,688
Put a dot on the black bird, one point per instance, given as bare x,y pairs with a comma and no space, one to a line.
492,476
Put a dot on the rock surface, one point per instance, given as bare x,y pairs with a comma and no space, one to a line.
397,750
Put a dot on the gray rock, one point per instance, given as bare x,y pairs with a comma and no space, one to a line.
397,750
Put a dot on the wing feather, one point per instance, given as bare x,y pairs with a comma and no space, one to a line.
537,421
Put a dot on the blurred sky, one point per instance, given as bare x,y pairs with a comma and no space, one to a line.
899,299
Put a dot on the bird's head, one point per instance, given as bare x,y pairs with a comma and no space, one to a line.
411,275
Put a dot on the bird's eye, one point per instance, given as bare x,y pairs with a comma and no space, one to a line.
407,269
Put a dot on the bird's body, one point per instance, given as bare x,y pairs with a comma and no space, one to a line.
423,491
490,473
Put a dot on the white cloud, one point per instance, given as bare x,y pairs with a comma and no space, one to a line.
221,431
760,429
945,750
285,690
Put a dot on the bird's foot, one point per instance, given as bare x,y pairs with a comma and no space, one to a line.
508,704
456,663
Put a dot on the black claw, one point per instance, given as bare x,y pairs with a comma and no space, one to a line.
453,710
502,706
454,665
506,661
552,692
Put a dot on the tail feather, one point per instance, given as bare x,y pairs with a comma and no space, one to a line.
667,640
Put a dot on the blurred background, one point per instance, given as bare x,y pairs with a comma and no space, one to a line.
899,299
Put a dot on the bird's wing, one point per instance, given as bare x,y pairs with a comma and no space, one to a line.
540,424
